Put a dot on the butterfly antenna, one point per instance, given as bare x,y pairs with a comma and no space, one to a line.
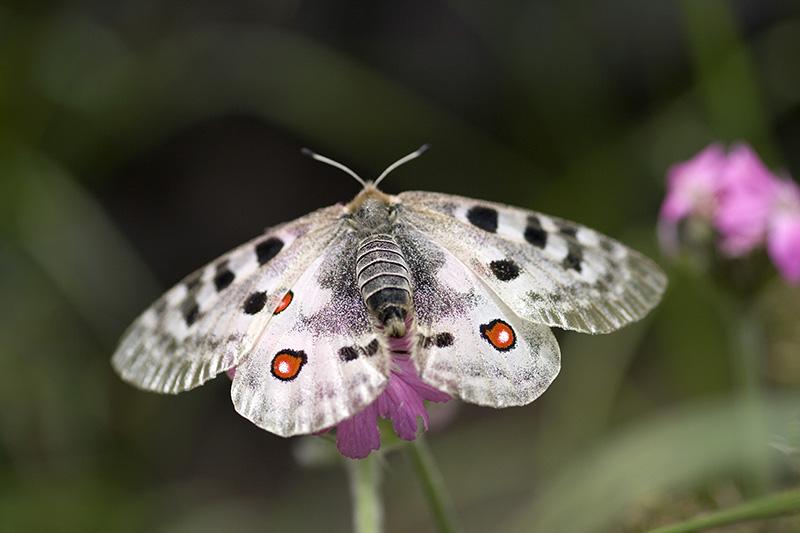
314,155
413,155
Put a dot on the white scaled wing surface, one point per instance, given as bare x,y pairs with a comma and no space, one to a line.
546,270
319,360
471,344
198,328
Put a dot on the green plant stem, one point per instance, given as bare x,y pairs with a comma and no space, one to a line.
365,483
774,505
747,344
433,485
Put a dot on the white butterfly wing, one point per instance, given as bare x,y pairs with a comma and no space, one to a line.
319,360
199,328
547,270
471,345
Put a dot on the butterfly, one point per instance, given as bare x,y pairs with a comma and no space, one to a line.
315,314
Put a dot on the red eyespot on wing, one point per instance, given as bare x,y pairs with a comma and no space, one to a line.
284,303
499,334
286,364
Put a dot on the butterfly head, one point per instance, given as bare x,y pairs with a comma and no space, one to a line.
371,210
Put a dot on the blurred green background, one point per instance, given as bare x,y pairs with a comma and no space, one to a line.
140,139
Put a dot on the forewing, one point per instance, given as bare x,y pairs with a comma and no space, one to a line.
547,270
198,328
319,360
471,345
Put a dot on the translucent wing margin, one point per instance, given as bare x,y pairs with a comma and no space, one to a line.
200,327
545,269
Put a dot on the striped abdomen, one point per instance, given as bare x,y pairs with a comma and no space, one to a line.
384,281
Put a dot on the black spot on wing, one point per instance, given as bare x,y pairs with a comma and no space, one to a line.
255,303
190,311
348,353
504,269
608,246
574,258
534,233
267,249
484,218
223,279
440,340
444,340
568,230
372,347
193,280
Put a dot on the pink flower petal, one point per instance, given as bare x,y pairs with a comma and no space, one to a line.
357,436
402,402
692,185
747,195
402,406
406,370
783,243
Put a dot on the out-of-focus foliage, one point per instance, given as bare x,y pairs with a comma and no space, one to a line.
140,139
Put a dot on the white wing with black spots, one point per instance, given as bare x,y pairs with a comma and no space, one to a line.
470,344
547,270
311,313
318,361
198,328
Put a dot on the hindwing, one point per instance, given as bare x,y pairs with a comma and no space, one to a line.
319,360
470,343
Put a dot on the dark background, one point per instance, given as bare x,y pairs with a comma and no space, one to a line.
140,139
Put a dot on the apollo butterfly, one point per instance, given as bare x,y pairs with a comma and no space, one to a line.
316,314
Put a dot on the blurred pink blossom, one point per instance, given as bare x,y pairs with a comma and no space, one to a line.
783,241
736,194
692,190
692,185
746,198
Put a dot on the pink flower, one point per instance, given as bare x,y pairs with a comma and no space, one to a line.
783,241
402,402
746,199
692,185
758,208
746,203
